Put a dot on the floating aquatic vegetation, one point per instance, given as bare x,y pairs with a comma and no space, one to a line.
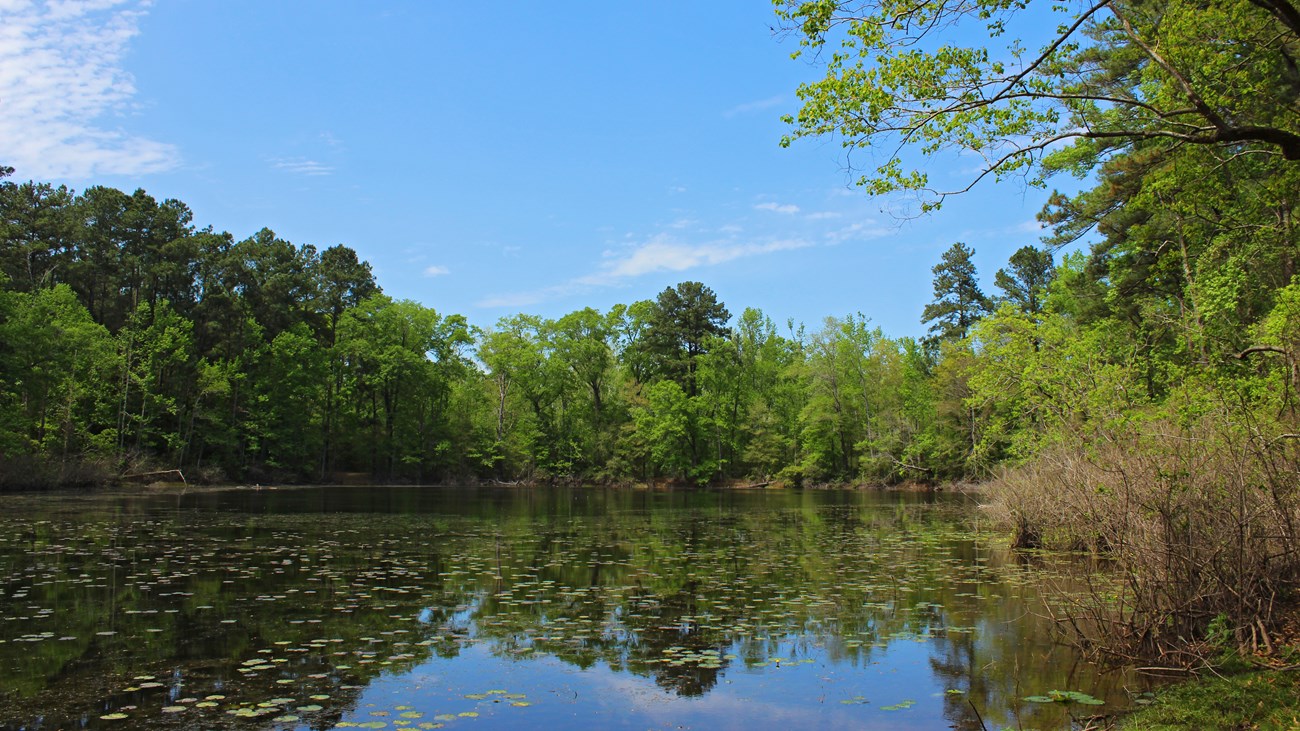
1065,696
297,614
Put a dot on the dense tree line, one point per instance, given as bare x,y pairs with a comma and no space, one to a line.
132,340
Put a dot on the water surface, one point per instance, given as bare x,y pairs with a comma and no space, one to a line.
442,607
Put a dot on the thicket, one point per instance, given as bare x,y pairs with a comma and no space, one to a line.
1150,415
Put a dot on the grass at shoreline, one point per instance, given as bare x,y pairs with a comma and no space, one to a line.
1263,699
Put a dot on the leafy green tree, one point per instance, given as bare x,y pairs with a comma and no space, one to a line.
158,360
131,250
1108,75
402,359
216,438
517,365
958,301
745,403
288,404
38,227
1025,281
584,342
96,270
771,395
275,280
12,422
666,424
912,425
681,323
632,328
342,281
58,366
829,428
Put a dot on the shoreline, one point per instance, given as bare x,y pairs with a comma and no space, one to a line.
356,480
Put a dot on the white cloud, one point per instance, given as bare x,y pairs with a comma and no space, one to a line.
301,166
755,106
858,232
661,253
436,271
60,77
823,215
788,208
664,254
516,300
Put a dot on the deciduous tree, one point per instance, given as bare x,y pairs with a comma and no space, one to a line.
1011,81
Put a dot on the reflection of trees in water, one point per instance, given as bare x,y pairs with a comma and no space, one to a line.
993,671
597,579
670,627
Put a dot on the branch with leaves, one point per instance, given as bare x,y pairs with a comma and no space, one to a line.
923,77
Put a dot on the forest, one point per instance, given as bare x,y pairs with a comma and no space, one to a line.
134,341
1128,385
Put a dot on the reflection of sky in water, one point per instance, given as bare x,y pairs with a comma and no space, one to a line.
563,696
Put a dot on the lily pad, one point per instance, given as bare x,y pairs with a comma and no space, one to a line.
1066,696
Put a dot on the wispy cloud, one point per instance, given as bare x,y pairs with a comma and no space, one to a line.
301,166
786,208
665,254
661,253
860,231
60,76
755,106
515,300
330,140
436,270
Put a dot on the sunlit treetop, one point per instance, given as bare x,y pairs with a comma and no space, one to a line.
1036,88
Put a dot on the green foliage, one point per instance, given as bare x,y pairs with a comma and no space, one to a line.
404,357
59,364
958,301
1008,81
666,422
1026,281
679,328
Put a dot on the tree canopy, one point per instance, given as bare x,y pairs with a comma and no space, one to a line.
958,300
1033,88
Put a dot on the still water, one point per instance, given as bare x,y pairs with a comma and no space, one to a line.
478,609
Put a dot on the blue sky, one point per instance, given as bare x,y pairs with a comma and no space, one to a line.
489,159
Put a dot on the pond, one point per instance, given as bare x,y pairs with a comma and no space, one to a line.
449,607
